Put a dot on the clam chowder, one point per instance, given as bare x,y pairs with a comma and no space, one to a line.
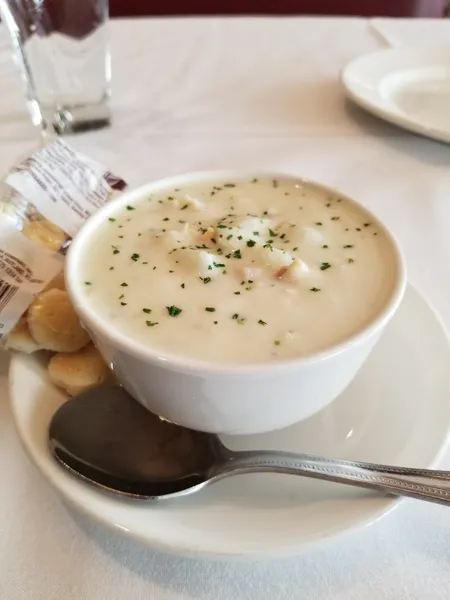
240,271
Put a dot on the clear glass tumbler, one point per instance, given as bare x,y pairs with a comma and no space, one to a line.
62,50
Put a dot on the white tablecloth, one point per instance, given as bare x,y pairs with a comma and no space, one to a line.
216,93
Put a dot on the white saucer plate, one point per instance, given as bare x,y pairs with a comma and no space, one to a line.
396,411
408,86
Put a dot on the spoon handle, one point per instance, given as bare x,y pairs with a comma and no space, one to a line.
422,484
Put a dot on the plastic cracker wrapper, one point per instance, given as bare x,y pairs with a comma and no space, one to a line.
44,200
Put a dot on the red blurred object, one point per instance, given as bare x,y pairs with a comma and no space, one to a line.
365,8
72,19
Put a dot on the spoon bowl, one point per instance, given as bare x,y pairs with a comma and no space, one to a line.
109,439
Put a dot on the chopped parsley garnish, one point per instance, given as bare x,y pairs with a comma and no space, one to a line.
166,219
335,218
111,219
237,293
206,279
123,303
261,322
254,180
88,283
295,249
147,310
237,254
282,236
265,213
239,237
183,285
319,223
121,296
173,310
210,309
314,289
274,183
348,246
218,265
130,207
324,266
214,241
184,207
350,260
235,316
124,284
111,268
272,233
134,256
221,226
120,236
151,323
229,185
229,236
277,342
366,224
251,243
115,249
325,246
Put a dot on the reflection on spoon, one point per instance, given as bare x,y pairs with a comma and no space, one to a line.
107,438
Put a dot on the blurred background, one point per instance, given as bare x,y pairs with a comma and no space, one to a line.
366,8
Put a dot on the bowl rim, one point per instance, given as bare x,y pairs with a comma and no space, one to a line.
102,327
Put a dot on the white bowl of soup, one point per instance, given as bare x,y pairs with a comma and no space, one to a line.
235,303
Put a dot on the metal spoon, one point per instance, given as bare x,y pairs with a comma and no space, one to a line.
105,437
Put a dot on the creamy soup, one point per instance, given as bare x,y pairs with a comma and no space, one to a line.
239,271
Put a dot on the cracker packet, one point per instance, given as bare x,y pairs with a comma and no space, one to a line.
44,200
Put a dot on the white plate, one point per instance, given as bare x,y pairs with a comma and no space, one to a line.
408,86
397,411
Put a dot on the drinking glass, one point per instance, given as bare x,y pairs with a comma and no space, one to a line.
61,49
